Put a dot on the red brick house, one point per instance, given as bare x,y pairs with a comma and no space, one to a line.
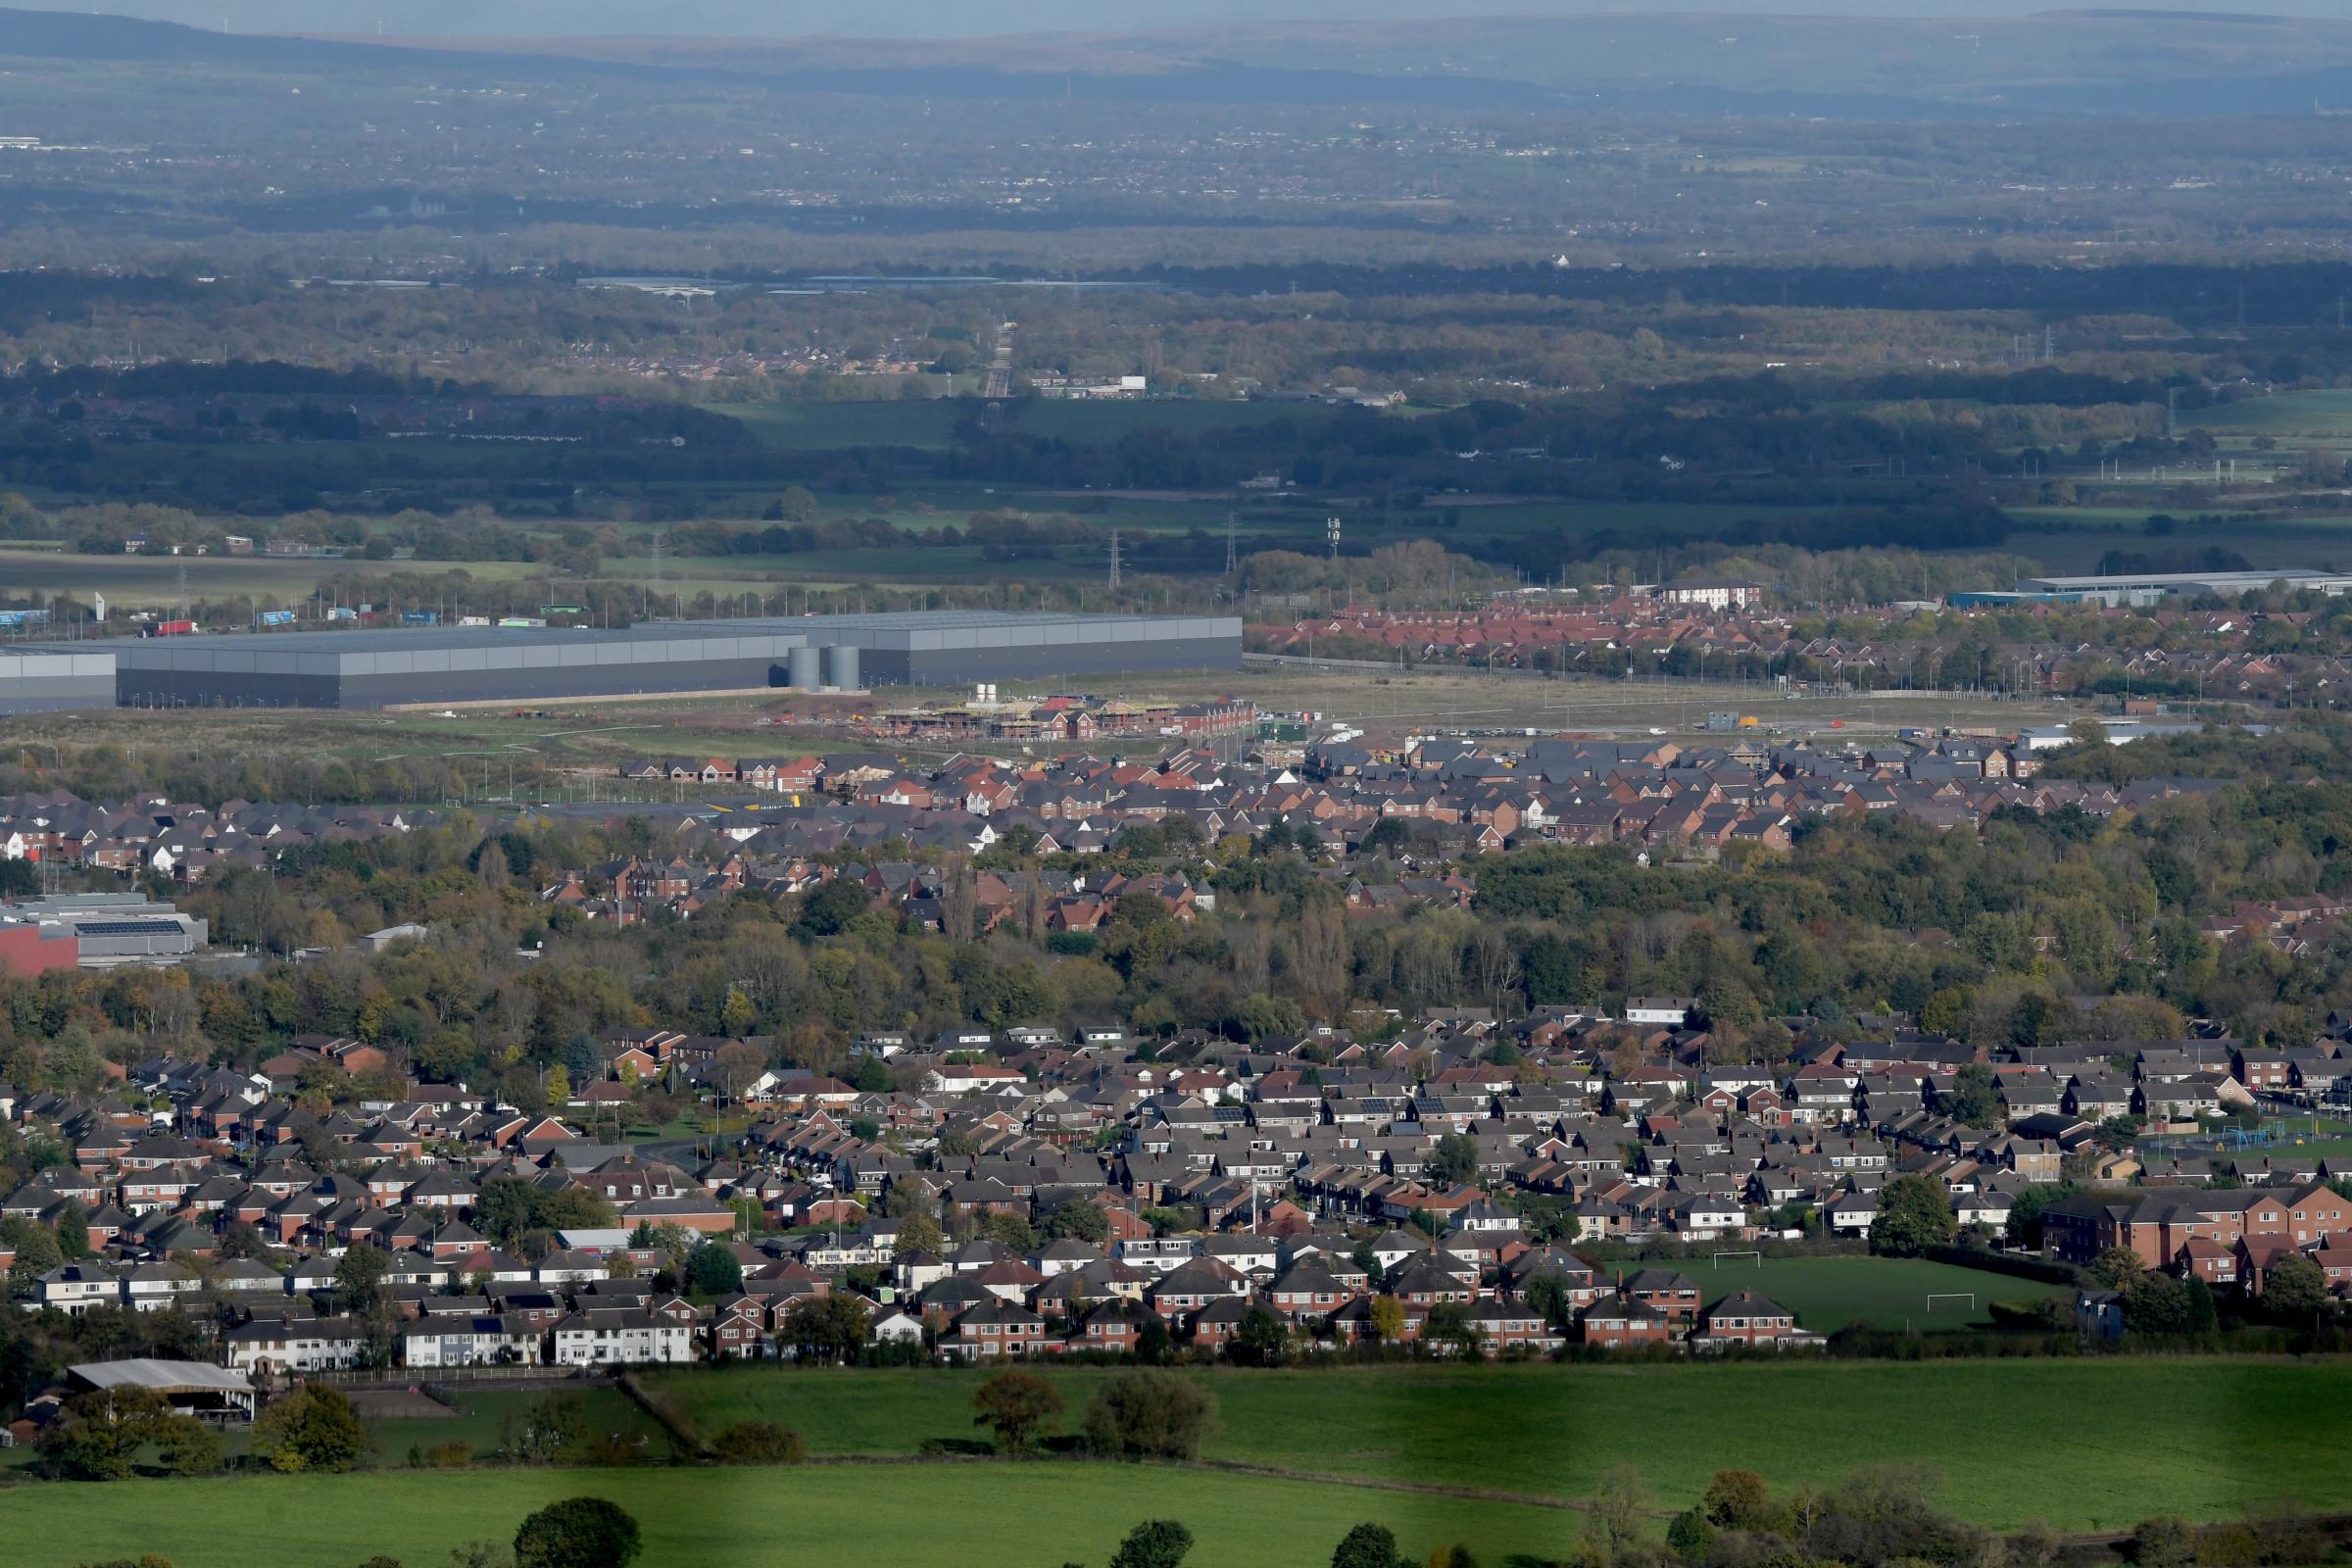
996,1330
1746,1317
1670,1292
1615,1322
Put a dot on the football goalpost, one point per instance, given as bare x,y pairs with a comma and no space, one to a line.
1969,1297
1718,1258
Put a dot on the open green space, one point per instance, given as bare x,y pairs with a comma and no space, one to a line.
925,424
2231,1432
982,1515
148,582
2067,540
929,423
479,1417
1828,1292
2323,412
133,582
1087,420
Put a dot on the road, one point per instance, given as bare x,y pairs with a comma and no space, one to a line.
999,368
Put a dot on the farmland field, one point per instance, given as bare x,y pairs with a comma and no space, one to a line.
2233,1432
924,424
929,423
971,1516
2067,540
132,582
2326,413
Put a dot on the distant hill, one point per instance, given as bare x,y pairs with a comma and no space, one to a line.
936,18
2169,65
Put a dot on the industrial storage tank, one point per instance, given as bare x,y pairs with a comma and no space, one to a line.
841,666
800,667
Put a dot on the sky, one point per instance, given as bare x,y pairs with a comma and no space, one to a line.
963,19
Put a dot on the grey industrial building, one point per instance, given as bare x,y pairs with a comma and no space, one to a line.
112,928
2149,588
40,680
367,668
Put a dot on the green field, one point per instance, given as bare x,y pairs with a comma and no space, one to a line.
2101,1438
945,1516
924,423
2072,539
479,1415
1828,1292
2090,1445
2326,413
928,424
152,582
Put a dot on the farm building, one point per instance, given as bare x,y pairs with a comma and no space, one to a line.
190,1388
436,665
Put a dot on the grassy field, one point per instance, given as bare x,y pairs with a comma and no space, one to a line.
480,1413
929,423
1828,1292
476,1418
152,582
2325,414
924,423
2072,539
2085,1445
2230,1433
968,1516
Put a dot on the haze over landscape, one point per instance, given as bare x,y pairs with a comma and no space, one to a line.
554,18
1180,785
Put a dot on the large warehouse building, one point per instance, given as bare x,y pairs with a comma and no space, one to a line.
2151,588
485,663
40,680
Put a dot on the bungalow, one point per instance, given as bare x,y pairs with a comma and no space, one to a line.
1660,1012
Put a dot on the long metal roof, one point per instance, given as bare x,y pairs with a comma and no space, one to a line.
815,629
162,1377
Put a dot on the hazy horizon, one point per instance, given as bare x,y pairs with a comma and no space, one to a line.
554,19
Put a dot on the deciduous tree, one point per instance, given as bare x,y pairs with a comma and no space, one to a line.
1014,1405
312,1430
1154,1543
1914,1215
1147,1414
578,1533
1368,1545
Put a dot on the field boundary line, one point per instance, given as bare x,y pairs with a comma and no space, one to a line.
681,1430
